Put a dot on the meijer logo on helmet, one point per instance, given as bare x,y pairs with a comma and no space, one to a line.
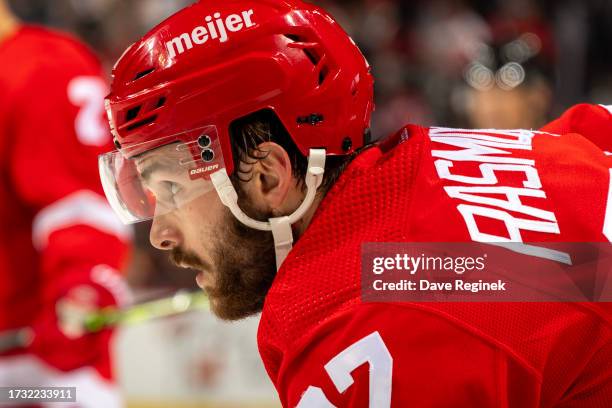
217,28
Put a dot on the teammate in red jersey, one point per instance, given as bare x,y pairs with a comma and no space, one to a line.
60,243
242,127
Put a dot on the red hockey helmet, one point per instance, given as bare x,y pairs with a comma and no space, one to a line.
190,77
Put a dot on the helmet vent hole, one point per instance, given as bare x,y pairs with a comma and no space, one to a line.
132,113
143,74
306,46
142,123
312,56
161,102
293,37
323,75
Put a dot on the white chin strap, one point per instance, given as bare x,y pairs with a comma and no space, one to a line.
281,226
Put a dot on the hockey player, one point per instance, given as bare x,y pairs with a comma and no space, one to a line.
242,127
60,244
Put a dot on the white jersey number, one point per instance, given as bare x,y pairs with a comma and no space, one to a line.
372,350
88,92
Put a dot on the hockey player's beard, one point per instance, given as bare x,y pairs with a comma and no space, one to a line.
244,267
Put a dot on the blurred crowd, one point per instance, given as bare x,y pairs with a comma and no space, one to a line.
458,63
428,55
471,63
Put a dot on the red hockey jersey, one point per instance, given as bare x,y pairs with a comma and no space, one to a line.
57,230
323,347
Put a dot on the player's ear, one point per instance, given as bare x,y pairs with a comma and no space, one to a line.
271,178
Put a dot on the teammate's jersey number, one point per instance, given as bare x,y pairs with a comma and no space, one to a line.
88,92
370,349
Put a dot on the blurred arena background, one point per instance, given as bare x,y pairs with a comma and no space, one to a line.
460,63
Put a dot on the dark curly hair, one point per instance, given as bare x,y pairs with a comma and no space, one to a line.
249,132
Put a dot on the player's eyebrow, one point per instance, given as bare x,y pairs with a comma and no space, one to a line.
164,161
149,170
168,165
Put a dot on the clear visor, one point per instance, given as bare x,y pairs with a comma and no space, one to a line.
170,173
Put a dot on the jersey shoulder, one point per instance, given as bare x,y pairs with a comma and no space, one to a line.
594,122
55,45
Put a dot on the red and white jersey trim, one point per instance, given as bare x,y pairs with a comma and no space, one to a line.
80,208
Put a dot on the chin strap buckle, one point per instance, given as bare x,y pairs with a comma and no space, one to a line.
283,238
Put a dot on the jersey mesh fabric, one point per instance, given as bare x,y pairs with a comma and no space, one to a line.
388,195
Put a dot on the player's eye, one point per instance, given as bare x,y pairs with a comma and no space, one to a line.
172,190
175,188
167,192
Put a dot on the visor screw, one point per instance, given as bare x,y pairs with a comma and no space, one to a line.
347,144
208,155
204,141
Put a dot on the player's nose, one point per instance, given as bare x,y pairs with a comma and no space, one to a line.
163,235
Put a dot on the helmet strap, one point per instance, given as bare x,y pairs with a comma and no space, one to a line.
280,226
